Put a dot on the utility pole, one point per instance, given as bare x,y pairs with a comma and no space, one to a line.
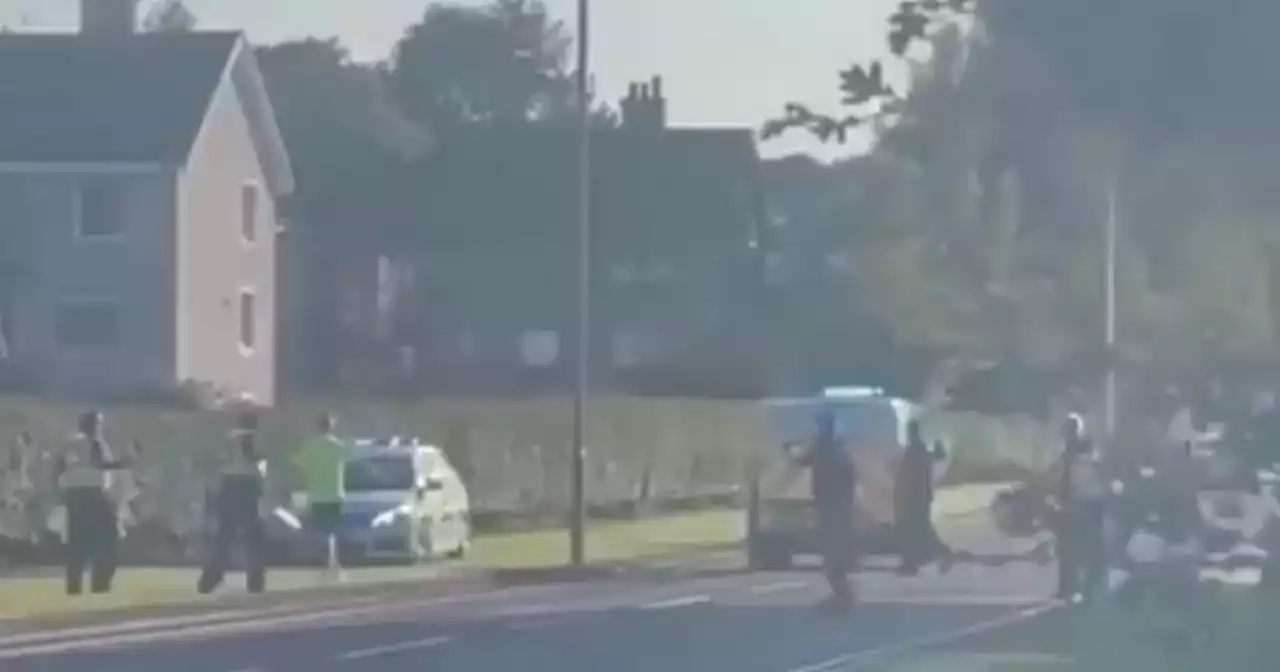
1110,289
578,523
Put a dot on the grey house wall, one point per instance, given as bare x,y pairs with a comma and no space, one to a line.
135,269
215,262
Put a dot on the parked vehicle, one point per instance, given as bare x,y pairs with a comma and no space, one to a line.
780,518
405,502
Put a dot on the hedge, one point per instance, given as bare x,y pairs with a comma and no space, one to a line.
513,453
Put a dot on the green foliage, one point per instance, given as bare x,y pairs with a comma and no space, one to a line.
504,63
982,234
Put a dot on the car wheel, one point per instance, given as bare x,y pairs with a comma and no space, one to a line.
764,554
464,545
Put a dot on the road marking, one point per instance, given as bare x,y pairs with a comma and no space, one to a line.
44,646
778,587
214,623
677,602
957,600
869,658
360,654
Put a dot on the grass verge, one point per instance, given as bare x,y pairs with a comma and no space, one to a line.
40,595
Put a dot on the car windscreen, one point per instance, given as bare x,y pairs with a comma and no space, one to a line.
379,472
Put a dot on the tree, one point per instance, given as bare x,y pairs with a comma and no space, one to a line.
334,113
170,16
504,63
1001,171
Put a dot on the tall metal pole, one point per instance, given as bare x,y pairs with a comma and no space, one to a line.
578,524
1110,289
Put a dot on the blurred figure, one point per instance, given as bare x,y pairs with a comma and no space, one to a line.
92,528
237,504
322,460
1081,513
834,482
914,493
19,489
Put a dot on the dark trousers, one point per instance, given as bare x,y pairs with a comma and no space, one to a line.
1081,549
236,505
835,524
92,536
918,540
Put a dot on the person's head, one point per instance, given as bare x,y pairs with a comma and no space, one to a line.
90,423
247,421
915,432
326,423
1073,427
826,423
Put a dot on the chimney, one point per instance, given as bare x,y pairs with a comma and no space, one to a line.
645,108
108,18
658,104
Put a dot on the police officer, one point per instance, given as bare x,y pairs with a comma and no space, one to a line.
913,492
237,502
92,529
834,482
1081,507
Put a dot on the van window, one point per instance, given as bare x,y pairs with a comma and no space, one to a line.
379,472
870,423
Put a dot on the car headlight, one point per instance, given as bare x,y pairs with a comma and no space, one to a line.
391,516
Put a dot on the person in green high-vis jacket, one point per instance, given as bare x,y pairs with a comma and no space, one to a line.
322,461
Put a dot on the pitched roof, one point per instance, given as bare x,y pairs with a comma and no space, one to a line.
72,98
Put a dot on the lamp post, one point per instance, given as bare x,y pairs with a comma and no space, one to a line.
578,522
1109,392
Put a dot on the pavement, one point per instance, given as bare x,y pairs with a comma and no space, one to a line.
705,615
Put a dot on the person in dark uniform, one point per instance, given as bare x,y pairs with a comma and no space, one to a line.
834,482
92,528
1081,507
237,502
913,493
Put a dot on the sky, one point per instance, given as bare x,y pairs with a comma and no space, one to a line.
723,62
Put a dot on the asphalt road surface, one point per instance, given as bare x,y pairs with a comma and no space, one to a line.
976,617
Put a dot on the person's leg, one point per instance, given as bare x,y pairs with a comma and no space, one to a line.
1065,549
255,542
78,542
1095,566
837,534
108,542
219,553
327,517
909,550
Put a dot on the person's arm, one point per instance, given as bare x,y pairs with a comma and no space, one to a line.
101,457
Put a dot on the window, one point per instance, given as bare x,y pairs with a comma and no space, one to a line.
378,473
249,211
87,324
248,321
101,207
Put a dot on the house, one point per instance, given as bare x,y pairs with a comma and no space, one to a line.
676,247
144,178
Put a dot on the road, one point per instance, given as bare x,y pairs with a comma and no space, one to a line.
662,620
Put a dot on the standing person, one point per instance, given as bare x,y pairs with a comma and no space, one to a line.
834,482
1081,505
322,459
237,503
92,529
913,492
17,487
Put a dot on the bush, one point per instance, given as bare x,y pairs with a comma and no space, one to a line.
643,454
